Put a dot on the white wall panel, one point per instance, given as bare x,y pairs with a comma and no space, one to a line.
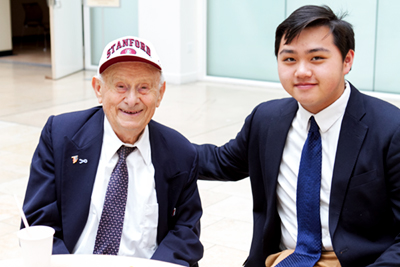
5,26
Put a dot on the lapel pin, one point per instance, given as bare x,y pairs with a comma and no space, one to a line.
83,161
74,159
174,212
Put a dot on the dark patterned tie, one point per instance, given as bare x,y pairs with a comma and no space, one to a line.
109,232
308,247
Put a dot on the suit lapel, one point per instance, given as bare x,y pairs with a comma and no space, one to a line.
275,143
81,158
351,137
165,171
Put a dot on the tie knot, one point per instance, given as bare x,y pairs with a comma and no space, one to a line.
124,151
313,126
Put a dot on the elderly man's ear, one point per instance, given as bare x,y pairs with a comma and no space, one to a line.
162,91
97,84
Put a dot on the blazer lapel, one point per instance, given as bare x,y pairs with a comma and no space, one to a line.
81,158
275,143
351,137
165,171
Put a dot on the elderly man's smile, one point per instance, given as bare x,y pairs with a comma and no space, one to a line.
127,112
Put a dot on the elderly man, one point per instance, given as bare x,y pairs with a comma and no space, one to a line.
110,180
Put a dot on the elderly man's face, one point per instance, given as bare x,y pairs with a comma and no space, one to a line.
130,94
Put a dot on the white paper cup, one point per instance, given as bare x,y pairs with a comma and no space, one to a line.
36,243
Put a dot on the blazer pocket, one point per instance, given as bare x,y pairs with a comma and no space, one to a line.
363,179
365,198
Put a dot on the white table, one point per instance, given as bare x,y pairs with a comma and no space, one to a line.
93,261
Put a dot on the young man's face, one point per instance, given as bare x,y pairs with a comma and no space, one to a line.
311,68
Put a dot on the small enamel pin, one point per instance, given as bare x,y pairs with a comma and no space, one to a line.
74,159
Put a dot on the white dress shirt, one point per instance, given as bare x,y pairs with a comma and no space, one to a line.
329,121
141,215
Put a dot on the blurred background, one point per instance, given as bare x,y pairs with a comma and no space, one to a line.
219,63
228,40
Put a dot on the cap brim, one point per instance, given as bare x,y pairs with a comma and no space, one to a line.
119,59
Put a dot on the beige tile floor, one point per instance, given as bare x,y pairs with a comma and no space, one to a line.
204,112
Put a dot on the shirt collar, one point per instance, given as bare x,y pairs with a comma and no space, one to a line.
328,116
112,143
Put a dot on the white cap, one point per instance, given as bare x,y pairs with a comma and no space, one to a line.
128,48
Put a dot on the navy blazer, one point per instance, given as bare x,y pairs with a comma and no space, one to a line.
364,211
59,192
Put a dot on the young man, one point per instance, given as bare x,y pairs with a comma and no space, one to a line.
109,179
324,164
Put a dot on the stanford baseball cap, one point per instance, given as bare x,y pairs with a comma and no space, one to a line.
128,48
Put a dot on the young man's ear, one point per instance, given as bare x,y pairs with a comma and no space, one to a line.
348,62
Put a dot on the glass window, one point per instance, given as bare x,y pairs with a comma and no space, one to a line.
387,74
109,23
240,38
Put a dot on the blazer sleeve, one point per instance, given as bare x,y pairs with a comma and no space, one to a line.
181,245
391,256
230,161
40,204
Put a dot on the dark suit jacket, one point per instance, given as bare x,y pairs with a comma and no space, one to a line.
364,212
59,192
